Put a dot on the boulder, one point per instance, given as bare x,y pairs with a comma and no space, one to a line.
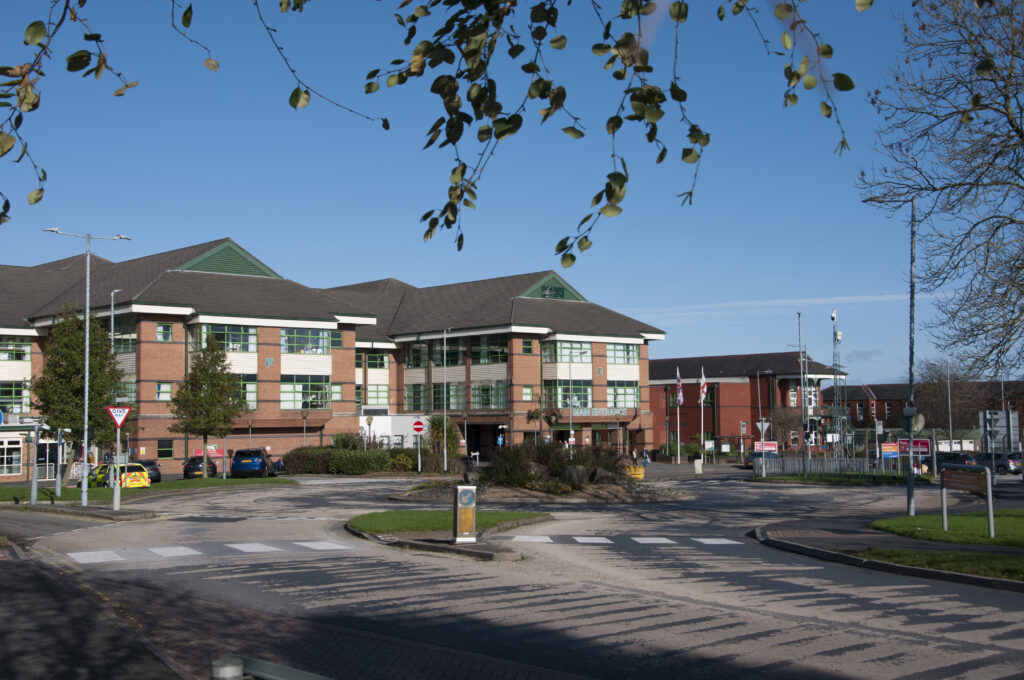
602,476
574,475
536,470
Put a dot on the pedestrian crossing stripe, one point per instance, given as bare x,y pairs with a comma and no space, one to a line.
605,540
653,540
253,547
126,554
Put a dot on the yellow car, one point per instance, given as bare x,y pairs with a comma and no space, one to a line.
131,475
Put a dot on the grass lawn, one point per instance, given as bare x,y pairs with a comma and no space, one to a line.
848,480
978,564
402,521
46,494
969,527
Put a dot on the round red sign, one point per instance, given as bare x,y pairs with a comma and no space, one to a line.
418,426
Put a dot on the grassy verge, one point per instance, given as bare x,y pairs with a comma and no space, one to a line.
21,494
971,527
978,564
849,480
403,521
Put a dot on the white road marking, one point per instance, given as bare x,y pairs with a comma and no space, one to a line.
532,539
253,547
717,541
321,545
175,551
95,556
653,540
591,539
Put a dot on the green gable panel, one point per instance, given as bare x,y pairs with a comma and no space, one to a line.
228,258
553,287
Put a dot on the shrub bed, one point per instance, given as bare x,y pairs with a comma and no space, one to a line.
358,462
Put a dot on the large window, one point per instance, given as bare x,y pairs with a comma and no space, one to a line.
376,395
416,355
15,349
126,394
359,396
623,393
564,352
337,392
490,395
528,393
372,359
305,391
569,393
247,389
623,354
455,355
489,349
10,456
527,346
125,334
165,448
416,397
231,338
14,397
305,341
456,396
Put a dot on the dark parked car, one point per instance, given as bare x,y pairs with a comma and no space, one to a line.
152,467
1005,462
251,463
755,456
955,459
194,468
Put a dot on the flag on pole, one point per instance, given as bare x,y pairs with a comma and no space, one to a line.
679,388
703,386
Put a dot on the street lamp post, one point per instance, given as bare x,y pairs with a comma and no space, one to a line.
34,488
444,395
116,290
85,409
60,454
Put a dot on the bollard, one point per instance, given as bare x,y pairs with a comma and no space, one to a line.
227,668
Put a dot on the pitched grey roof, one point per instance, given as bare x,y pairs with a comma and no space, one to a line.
154,279
734,366
382,296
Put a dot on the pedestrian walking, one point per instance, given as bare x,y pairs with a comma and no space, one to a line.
646,459
633,456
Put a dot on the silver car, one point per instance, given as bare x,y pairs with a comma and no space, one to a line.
1004,462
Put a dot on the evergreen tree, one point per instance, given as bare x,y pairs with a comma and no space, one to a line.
209,399
59,391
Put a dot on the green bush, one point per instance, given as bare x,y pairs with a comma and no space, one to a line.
401,463
347,441
509,467
309,460
358,462
432,462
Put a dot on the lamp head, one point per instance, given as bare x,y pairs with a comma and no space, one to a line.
122,237
44,426
55,230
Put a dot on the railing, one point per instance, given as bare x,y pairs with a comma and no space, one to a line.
838,467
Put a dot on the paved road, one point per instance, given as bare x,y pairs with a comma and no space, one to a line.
659,590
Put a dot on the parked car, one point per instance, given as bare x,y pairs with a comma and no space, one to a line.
755,456
251,463
194,468
958,458
1004,462
130,476
153,468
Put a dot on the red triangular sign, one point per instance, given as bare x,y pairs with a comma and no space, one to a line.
119,413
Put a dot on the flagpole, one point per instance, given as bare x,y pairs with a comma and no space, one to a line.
679,433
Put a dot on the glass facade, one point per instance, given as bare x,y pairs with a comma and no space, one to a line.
568,393
247,389
376,395
15,349
416,397
371,359
125,334
305,341
489,349
489,395
456,396
564,352
623,393
305,391
231,338
14,397
623,354
417,355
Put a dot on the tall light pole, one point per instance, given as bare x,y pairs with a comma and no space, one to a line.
949,400
116,290
444,395
85,409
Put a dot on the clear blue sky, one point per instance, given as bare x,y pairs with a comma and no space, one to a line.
326,198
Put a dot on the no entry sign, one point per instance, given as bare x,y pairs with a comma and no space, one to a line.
417,426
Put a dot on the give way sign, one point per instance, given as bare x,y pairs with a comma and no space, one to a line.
119,413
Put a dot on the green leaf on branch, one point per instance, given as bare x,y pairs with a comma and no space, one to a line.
35,196
843,82
826,110
985,67
6,143
212,64
825,51
79,60
573,132
562,245
783,10
35,33
583,244
787,41
613,124
558,42
568,260
690,155
611,210
372,87
863,5
299,98
678,11
186,17
810,82
677,93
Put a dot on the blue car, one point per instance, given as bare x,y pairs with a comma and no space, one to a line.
251,463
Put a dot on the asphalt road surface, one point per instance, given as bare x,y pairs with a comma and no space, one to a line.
664,590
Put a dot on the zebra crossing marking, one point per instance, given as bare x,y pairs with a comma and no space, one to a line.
94,556
591,539
532,539
653,540
322,545
174,551
717,541
253,547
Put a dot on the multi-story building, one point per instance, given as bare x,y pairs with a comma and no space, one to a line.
506,358
741,389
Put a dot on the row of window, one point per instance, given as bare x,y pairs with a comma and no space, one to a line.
493,349
15,349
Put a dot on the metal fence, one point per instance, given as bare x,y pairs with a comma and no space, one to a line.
833,467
